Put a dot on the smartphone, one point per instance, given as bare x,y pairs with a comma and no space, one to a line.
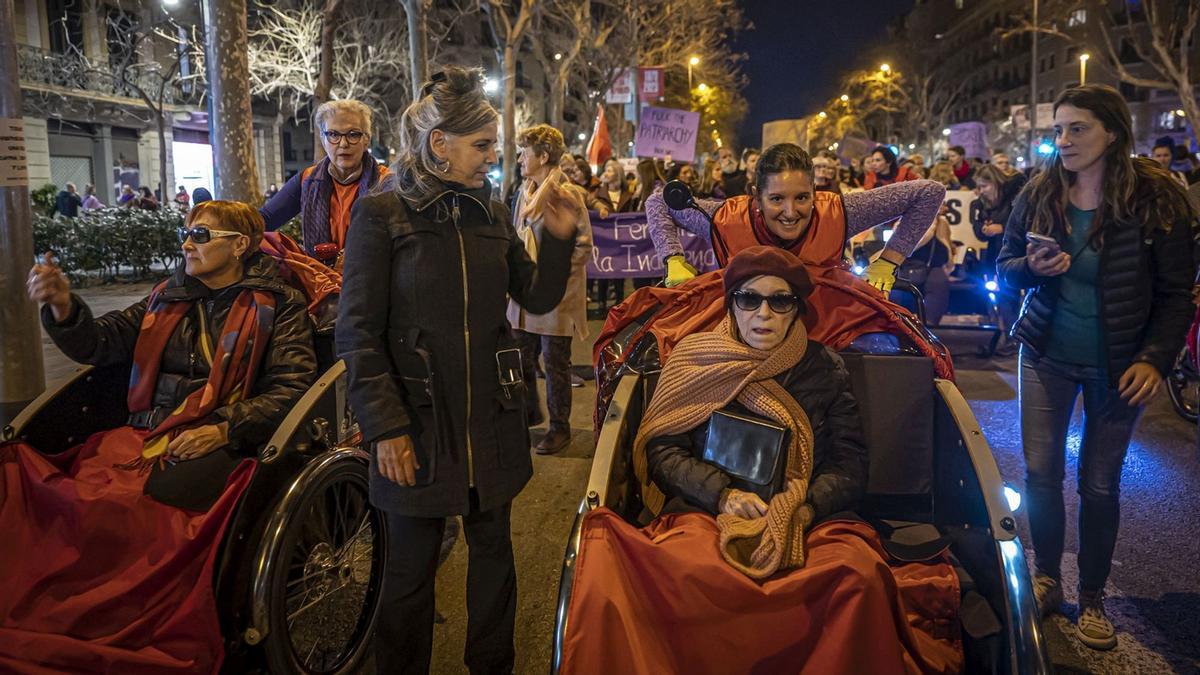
1043,241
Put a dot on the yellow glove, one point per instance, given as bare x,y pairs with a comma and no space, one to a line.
881,274
679,271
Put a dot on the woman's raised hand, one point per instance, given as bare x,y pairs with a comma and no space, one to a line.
743,504
48,285
561,210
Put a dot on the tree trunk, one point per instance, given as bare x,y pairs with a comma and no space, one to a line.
21,375
325,75
510,115
232,120
167,189
558,94
418,48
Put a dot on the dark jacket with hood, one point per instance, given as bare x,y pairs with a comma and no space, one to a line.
1144,283
997,214
420,323
821,385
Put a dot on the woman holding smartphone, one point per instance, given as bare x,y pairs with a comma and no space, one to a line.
1101,241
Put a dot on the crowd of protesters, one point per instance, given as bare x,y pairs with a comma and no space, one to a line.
1098,242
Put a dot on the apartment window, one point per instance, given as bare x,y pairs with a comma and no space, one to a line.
1052,61
1077,18
1041,65
66,25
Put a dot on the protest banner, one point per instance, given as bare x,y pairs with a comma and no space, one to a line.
621,90
651,80
972,136
622,248
665,132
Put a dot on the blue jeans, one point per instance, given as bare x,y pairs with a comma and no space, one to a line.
1048,389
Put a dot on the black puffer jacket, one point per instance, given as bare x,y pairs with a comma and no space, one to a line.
820,383
289,365
997,214
432,283
1145,284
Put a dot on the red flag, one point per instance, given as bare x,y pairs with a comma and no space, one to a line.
599,149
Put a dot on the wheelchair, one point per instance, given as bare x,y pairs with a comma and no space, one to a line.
300,569
935,485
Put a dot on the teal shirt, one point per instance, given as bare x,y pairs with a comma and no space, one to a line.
1076,331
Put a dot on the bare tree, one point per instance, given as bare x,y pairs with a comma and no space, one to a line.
1161,34
564,30
509,20
143,62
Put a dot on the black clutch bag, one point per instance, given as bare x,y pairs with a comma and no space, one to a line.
749,449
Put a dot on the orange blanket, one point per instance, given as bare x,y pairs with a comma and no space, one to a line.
661,600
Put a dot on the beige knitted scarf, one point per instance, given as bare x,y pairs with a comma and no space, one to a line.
704,373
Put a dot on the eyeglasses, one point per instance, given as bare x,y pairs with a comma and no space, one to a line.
335,137
780,303
823,167
203,235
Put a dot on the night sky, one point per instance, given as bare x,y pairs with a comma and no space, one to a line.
799,51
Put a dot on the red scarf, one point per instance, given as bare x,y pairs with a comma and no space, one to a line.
239,349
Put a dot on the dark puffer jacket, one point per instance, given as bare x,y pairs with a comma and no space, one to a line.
430,285
288,368
821,385
999,215
1145,284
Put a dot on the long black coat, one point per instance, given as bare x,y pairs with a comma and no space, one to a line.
289,363
433,280
1145,289
821,385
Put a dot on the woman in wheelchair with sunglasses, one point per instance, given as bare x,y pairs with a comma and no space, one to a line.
219,353
755,424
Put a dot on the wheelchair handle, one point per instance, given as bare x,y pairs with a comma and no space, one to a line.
909,287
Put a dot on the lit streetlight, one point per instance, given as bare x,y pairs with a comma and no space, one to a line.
558,56
692,63
703,88
582,136
844,98
884,68
491,85
946,131
822,114
1083,59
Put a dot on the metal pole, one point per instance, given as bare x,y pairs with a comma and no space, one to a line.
1033,68
21,375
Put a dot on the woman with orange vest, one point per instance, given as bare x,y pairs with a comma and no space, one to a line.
323,194
784,210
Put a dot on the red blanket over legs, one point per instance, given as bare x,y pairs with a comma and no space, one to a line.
661,600
99,577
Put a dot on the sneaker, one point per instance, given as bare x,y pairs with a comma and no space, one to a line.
1047,594
576,381
1094,629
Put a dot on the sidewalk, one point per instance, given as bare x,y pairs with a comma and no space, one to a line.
101,299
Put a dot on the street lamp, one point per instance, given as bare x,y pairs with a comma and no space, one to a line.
883,68
1083,59
491,85
886,69
692,62
558,56
703,88
822,114
844,98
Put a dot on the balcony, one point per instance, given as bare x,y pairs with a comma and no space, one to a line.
38,67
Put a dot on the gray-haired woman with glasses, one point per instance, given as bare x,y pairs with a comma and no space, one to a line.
323,194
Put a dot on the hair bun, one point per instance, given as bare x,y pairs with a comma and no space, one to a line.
455,82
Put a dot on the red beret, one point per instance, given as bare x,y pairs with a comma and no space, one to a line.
767,261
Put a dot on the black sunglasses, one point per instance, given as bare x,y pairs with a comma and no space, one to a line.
780,303
203,235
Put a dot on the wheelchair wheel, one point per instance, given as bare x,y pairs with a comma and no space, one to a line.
328,575
1183,385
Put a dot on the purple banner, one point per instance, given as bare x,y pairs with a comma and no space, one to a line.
622,248
665,132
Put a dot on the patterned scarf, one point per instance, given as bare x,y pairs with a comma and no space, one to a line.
315,193
244,339
703,374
